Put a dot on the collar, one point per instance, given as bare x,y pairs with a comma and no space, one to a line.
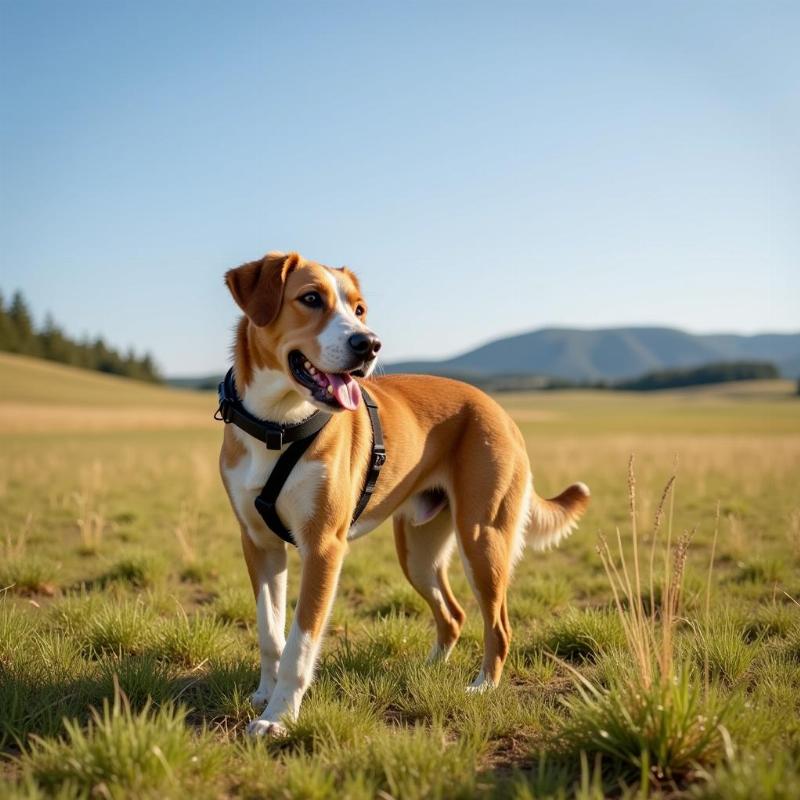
273,434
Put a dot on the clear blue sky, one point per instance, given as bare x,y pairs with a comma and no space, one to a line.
486,168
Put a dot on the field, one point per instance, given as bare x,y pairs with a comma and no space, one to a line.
124,591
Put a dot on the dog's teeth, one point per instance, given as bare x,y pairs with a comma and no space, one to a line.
312,370
307,364
330,389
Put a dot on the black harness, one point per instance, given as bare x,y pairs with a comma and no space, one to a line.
299,436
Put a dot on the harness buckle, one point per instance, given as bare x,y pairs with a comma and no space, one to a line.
224,411
378,457
273,439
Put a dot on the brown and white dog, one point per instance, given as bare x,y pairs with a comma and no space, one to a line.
457,473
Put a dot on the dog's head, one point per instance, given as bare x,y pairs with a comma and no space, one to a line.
311,322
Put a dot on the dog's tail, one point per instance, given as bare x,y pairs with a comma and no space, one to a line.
551,520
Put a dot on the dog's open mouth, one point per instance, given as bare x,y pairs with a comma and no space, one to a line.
336,389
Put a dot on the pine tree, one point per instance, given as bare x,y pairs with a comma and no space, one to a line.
22,323
53,343
149,369
8,333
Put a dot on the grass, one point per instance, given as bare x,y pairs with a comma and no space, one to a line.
763,775
653,719
128,648
658,733
190,640
118,749
121,627
583,635
234,605
722,650
139,570
27,575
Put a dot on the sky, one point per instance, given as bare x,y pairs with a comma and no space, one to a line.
485,168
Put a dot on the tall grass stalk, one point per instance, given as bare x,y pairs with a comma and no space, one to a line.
706,659
654,722
90,518
184,533
15,546
649,636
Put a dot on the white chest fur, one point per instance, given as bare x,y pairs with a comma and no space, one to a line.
298,497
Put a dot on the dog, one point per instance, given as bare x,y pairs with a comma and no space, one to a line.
457,474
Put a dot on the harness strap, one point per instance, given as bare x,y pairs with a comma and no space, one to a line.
377,458
267,499
301,436
273,435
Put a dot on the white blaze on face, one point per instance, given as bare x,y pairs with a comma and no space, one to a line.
333,341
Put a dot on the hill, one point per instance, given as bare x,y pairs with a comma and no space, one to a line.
39,395
610,354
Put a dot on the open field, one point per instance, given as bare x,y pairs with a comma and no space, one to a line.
120,564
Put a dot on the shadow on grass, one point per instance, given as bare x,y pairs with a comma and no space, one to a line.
36,700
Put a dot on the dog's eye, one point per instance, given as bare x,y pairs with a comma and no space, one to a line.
311,299
360,311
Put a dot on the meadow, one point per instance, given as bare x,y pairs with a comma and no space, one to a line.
127,627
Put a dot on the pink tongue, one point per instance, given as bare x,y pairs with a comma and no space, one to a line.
346,391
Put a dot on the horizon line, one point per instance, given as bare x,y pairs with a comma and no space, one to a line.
499,338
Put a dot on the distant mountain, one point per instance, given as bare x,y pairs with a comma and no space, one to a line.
610,353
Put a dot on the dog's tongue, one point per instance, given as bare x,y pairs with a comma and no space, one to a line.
345,390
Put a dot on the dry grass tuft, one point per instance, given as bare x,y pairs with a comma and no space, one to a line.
653,721
90,518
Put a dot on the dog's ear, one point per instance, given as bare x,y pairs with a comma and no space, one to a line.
257,287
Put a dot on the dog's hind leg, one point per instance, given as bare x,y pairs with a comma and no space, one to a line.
424,552
487,564
490,518
267,569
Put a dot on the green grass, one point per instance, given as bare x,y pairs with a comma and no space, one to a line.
583,635
661,732
234,605
127,572
118,748
722,651
27,575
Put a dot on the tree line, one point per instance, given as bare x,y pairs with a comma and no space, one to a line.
722,372
19,334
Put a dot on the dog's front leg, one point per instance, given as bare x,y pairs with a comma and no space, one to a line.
267,568
322,562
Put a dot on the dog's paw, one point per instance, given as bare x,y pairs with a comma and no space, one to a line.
439,653
265,727
480,685
260,698
435,655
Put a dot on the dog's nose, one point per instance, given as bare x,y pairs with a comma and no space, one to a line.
365,345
